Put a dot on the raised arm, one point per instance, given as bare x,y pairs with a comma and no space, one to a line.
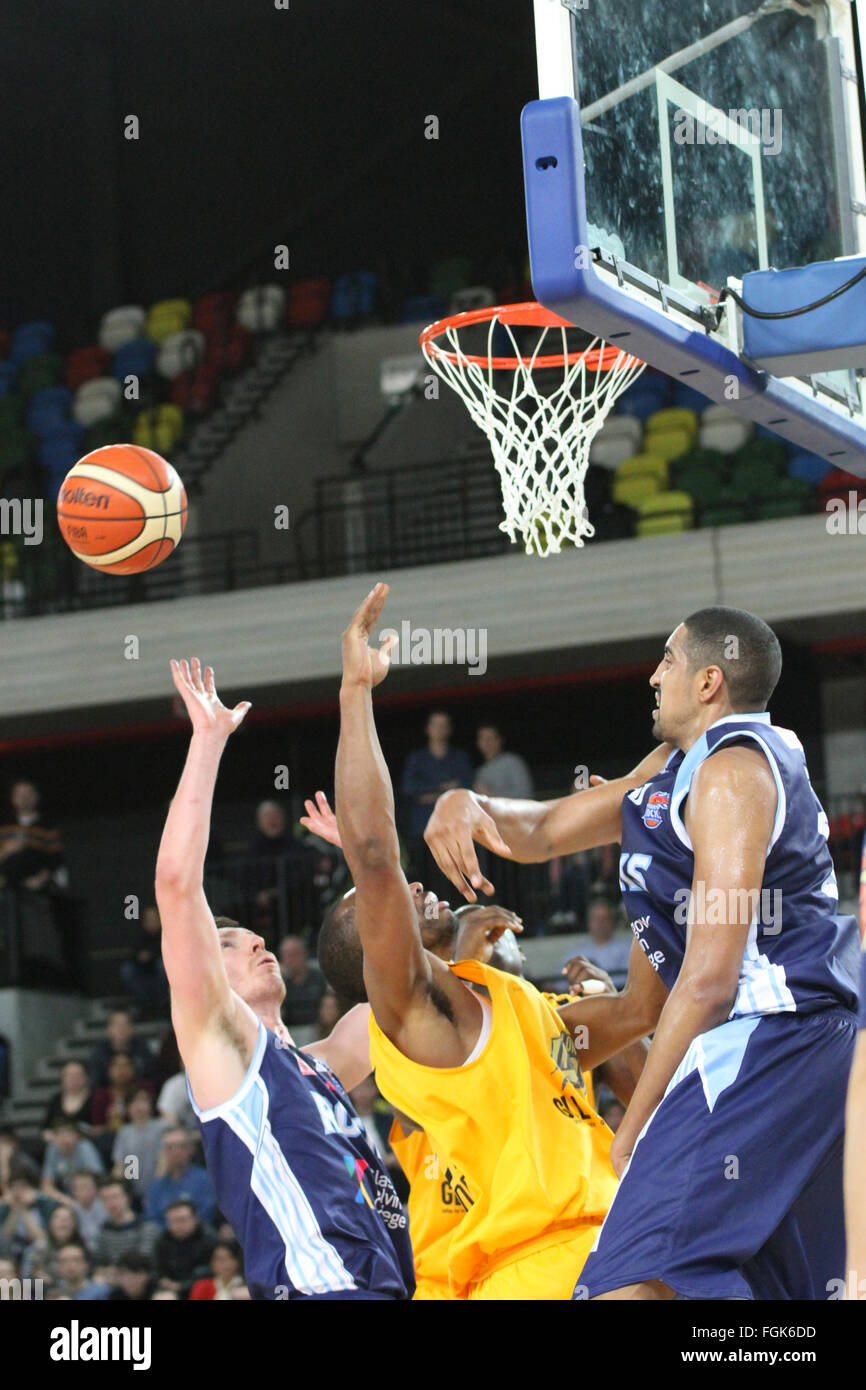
528,831
398,972
202,1003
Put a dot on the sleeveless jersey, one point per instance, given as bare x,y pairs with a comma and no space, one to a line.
800,955
436,1203
528,1155
308,1199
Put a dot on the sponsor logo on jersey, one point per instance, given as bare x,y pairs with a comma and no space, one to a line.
356,1168
565,1061
657,803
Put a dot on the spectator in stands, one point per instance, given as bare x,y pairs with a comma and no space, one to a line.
501,773
328,1014
31,853
111,1103
74,1099
40,1258
119,1037
173,1102
123,1230
137,1144
184,1249
226,1274
13,1159
427,773
305,987
88,1206
134,1279
144,974
179,1179
67,1151
277,866
603,945
73,1275
23,1215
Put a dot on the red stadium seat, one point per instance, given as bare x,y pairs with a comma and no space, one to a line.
308,303
85,364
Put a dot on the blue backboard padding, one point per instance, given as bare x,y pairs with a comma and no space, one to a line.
565,281
839,324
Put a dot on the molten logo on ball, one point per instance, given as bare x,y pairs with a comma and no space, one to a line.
122,509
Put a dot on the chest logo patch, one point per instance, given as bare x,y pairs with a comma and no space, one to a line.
657,804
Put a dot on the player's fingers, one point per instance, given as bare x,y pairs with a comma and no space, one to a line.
240,711
596,781
195,670
209,681
451,869
387,646
488,834
323,803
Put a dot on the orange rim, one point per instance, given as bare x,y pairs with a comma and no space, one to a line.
529,315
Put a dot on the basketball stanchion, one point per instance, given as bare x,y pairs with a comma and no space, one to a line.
541,405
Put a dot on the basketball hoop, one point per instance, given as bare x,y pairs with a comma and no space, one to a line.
540,437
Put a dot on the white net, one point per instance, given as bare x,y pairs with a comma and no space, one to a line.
540,414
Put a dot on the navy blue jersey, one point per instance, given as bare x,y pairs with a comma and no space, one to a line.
308,1199
800,954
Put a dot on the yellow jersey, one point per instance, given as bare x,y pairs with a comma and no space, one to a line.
435,1206
526,1151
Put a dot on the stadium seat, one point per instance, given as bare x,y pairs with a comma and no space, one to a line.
37,372
166,317
642,466
354,297
790,497
5,342
308,303
261,308
473,297
11,412
120,326
664,513
773,451
96,400
726,511
60,452
214,312
668,443
618,439
646,396
809,467
840,485
111,429
195,391
158,428
754,478
135,358
228,354
704,486
689,398
721,429
47,407
85,364
31,340
8,373
422,308
613,521
180,352
448,276
597,486
631,491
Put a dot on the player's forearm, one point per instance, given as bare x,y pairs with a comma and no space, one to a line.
692,1008
182,849
622,1072
855,1173
522,825
602,1026
363,792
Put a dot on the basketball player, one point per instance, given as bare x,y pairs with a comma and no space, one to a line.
312,1206
721,1162
855,1136
477,1058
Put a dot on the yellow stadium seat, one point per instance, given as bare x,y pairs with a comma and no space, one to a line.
632,492
639,465
159,428
675,417
167,316
669,444
664,513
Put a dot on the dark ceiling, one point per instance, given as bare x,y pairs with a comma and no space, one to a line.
258,126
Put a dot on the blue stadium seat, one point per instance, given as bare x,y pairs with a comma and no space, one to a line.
422,308
137,358
58,452
7,377
354,296
31,340
690,398
48,407
808,466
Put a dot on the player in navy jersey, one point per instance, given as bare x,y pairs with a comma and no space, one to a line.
310,1202
741,965
855,1137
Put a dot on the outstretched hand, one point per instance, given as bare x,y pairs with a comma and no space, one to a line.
363,664
320,819
198,692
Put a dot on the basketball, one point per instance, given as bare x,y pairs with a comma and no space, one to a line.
122,509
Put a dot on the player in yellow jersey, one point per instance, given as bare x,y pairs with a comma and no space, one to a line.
476,1057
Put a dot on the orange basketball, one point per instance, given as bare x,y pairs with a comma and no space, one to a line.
122,509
